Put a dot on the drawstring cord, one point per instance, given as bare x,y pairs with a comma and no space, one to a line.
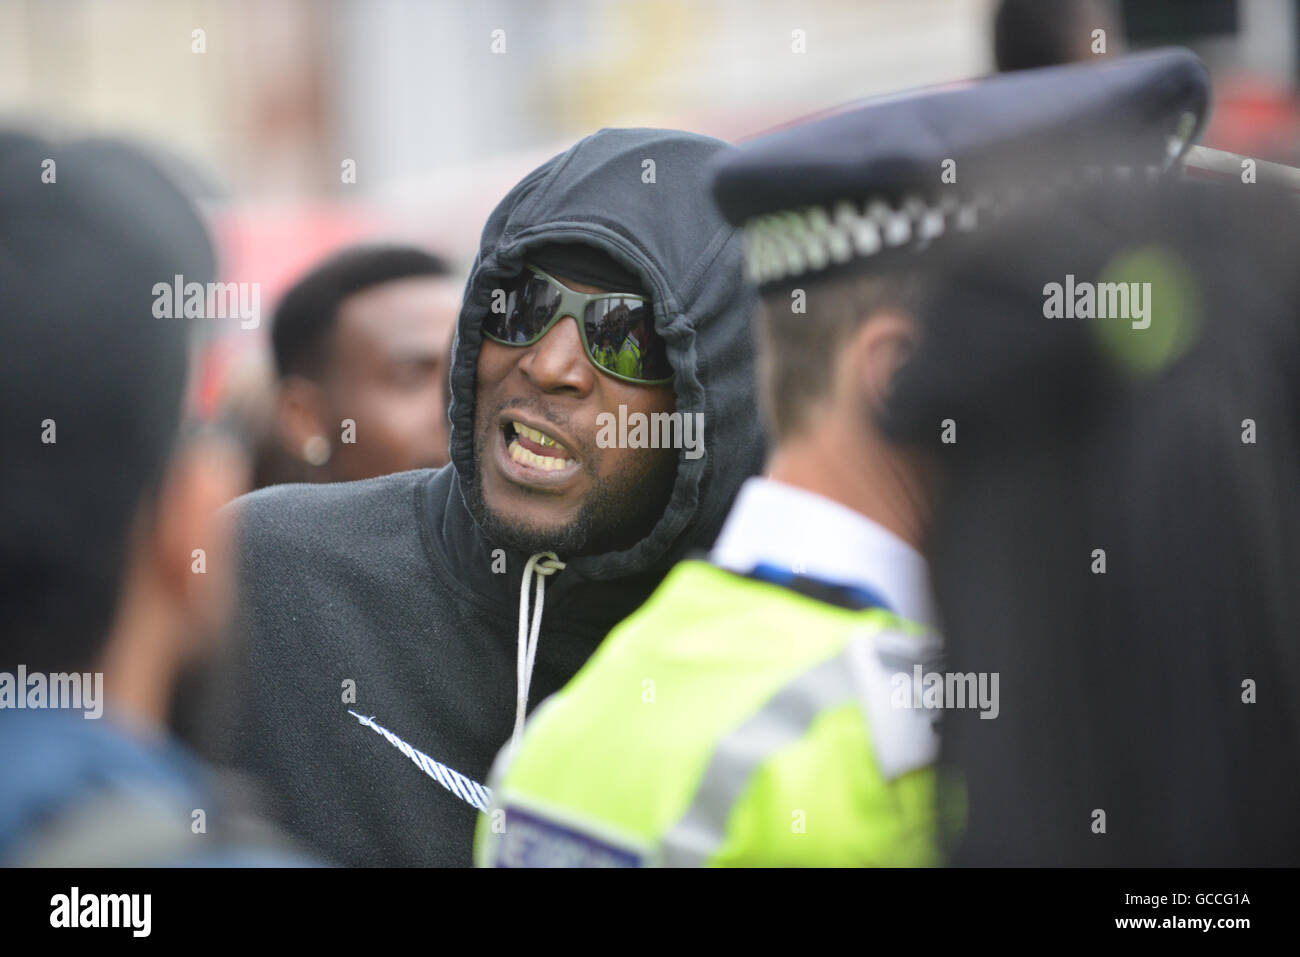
543,564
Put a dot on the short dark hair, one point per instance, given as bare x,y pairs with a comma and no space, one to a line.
308,311
797,349
97,381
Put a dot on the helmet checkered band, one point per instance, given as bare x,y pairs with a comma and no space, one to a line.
793,243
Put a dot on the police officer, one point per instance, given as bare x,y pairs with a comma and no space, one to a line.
763,707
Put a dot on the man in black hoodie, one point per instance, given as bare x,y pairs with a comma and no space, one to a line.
395,630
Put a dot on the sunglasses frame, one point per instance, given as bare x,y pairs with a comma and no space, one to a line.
574,304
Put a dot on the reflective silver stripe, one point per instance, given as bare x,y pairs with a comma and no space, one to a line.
782,721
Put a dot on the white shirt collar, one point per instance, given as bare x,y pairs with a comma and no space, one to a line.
811,535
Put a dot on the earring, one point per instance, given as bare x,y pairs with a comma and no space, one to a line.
316,450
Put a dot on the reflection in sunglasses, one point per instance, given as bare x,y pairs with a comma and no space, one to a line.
617,329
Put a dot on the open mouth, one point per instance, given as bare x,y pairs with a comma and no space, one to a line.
534,448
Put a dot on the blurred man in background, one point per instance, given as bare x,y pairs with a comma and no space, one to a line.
1118,528
115,558
363,353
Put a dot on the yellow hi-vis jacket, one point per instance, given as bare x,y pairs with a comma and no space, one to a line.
730,721
628,361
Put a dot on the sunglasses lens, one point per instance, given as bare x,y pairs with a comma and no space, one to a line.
529,305
621,333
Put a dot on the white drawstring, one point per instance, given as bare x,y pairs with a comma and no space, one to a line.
544,564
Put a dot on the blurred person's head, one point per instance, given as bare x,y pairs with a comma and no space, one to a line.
1118,529
114,557
1033,33
362,349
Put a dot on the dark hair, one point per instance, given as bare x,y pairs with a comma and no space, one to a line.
1028,34
81,348
1078,443
798,349
307,312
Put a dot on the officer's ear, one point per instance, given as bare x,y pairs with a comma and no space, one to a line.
874,353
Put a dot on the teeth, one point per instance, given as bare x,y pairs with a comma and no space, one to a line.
541,438
547,463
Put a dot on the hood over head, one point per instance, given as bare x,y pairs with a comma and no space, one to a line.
640,196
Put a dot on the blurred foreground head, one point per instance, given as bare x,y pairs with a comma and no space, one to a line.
111,557
1118,529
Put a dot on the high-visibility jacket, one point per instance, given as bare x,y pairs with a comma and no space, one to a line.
730,721
628,362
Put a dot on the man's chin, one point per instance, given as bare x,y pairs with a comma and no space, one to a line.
613,515
518,535
505,528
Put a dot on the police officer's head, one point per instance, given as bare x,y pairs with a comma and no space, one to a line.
846,218
829,349
833,342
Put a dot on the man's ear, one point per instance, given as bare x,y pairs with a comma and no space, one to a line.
875,352
300,413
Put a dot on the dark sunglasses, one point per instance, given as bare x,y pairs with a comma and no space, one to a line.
617,329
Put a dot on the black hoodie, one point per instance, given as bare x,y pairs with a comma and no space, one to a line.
388,587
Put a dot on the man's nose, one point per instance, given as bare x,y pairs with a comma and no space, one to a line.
557,362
